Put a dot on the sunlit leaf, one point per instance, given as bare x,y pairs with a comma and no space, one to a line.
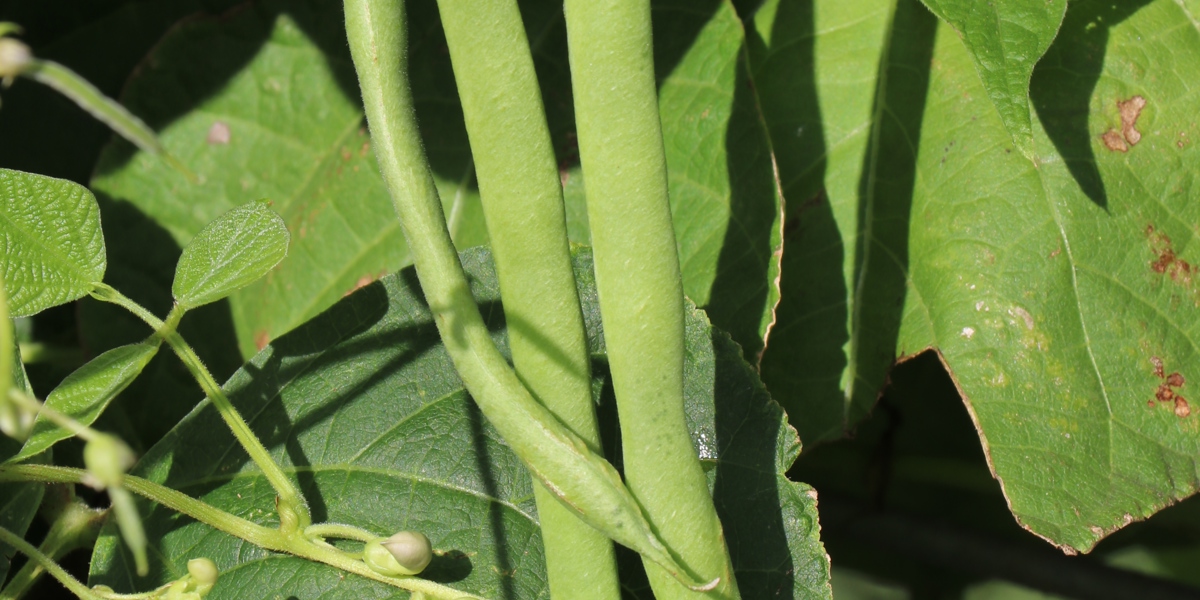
233,251
51,248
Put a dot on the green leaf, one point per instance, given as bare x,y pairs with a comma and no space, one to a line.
84,394
233,251
1052,288
262,104
1005,38
363,405
818,95
725,202
50,240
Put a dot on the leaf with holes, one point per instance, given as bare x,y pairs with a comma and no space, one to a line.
363,405
50,241
230,253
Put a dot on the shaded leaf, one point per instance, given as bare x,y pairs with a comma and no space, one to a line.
363,405
50,240
233,251
84,394
1005,38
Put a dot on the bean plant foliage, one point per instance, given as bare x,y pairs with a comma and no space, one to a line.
1008,185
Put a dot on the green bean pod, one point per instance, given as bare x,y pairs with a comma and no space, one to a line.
523,205
639,283
564,463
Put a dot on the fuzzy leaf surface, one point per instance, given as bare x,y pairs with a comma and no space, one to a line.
50,241
84,394
230,253
364,406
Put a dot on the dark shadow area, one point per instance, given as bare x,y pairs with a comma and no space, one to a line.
43,131
911,501
804,357
495,519
1063,83
746,492
448,567
739,292
884,205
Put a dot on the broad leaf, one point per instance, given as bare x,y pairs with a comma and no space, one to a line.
363,405
84,394
233,251
263,104
1058,291
1005,38
50,241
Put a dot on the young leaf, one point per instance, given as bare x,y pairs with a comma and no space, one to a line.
1006,38
229,254
364,404
84,394
50,241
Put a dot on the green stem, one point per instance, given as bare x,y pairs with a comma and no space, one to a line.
522,202
339,531
264,537
51,567
639,283
77,526
293,510
103,108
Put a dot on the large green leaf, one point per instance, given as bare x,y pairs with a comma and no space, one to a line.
50,240
84,394
362,404
230,253
263,104
1005,39
1053,288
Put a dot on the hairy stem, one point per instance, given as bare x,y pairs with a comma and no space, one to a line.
77,526
639,283
293,510
48,564
523,204
264,537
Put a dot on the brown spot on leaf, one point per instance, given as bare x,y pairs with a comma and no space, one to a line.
1166,261
1175,380
261,339
1163,394
1158,366
1131,109
1181,407
218,134
364,149
1113,141
364,281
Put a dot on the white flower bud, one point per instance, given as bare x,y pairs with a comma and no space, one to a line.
406,553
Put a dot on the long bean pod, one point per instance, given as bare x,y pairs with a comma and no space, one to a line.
523,205
563,462
638,281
